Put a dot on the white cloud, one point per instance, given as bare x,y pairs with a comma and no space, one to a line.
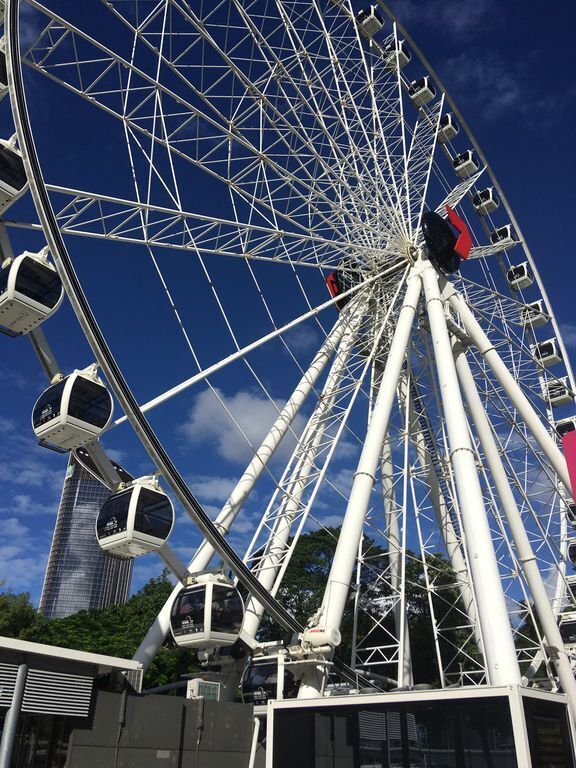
483,78
7,426
342,481
13,379
116,455
209,424
212,487
303,339
328,521
23,572
23,504
568,332
23,558
24,463
454,18
11,528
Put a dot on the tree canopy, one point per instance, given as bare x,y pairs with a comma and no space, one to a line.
118,629
115,631
305,580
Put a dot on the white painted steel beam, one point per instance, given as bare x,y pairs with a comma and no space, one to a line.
277,543
340,576
500,654
161,626
509,384
395,554
442,513
526,556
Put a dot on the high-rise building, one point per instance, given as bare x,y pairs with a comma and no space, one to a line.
79,574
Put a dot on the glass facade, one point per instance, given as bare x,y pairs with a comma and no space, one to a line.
454,733
548,733
79,575
41,740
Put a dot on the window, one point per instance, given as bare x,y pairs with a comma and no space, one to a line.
227,610
38,282
113,516
188,612
548,733
89,402
12,172
153,514
456,733
49,404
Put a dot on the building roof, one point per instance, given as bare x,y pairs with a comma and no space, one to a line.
10,647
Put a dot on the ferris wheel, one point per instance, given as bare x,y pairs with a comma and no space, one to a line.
279,197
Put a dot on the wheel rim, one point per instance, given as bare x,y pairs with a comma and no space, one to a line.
317,169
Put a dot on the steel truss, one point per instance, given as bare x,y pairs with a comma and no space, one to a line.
304,133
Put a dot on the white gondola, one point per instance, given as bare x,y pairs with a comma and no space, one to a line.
393,54
260,682
135,520
486,201
30,291
568,629
421,91
73,411
369,21
547,352
534,314
502,236
520,276
13,181
3,70
448,128
208,612
563,426
571,515
558,392
465,164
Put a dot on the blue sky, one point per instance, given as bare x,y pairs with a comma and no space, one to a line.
512,72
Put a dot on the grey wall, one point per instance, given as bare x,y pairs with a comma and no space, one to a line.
166,731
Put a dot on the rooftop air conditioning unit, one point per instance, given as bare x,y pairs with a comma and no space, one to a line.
203,689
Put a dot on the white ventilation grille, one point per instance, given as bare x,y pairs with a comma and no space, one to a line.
46,692
379,726
135,677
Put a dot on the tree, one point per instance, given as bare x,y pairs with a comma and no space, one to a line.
16,613
305,580
117,631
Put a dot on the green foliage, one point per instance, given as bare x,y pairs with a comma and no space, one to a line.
118,630
303,587
16,613
115,631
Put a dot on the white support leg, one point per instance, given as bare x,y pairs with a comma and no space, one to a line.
442,514
499,651
404,671
524,550
509,384
326,627
161,626
340,576
310,441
